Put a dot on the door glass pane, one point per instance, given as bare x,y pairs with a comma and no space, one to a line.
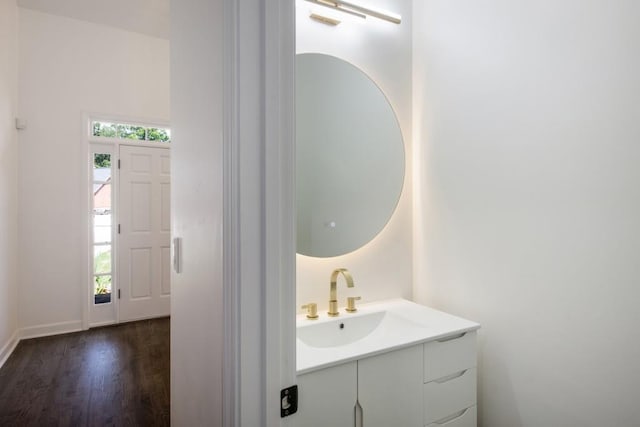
102,199
102,219
101,227
102,259
102,289
101,161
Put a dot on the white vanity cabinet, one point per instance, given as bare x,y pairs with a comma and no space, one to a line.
387,387
392,364
390,388
431,384
450,377
327,397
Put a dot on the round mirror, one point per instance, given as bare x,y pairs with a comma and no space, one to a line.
349,157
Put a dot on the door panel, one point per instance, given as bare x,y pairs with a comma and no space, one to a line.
328,397
144,240
165,211
141,272
390,388
166,270
140,206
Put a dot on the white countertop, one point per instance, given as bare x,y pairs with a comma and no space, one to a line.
406,323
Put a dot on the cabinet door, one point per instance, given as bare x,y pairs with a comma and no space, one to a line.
390,388
327,397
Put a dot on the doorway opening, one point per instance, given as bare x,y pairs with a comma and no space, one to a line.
129,221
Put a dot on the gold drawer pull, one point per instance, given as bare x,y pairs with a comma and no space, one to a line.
451,338
452,417
451,377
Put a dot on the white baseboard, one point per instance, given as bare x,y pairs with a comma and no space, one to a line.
138,319
101,324
50,329
8,348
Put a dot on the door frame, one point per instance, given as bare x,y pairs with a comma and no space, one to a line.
88,142
109,148
259,52
259,175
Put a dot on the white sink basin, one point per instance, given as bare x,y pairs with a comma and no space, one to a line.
340,331
376,328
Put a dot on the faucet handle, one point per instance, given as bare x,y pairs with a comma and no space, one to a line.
312,310
351,304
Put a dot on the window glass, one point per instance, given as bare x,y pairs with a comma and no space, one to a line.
101,198
101,227
108,130
102,161
157,134
102,259
129,131
102,219
102,289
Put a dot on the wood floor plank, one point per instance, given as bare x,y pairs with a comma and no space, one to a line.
111,376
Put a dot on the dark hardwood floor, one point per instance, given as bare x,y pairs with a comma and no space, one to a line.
111,376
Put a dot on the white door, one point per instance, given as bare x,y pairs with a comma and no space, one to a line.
144,233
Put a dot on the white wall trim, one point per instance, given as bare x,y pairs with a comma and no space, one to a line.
101,324
280,206
8,347
50,329
85,217
259,250
37,331
231,273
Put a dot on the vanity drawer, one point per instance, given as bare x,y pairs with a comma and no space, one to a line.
449,355
466,418
449,395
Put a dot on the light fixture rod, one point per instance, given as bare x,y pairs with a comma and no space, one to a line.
334,5
396,19
358,10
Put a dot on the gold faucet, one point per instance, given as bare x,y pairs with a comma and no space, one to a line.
333,289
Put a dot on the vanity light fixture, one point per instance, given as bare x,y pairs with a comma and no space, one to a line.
358,10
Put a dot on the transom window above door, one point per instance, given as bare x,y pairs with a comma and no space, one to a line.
130,131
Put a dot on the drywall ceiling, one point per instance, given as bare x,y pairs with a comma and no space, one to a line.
149,17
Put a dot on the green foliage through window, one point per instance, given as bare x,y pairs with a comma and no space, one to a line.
103,285
102,160
155,134
128,131
131,132
104,129
102,262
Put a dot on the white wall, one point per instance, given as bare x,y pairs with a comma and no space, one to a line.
528,201
382,268
68,67
8,176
